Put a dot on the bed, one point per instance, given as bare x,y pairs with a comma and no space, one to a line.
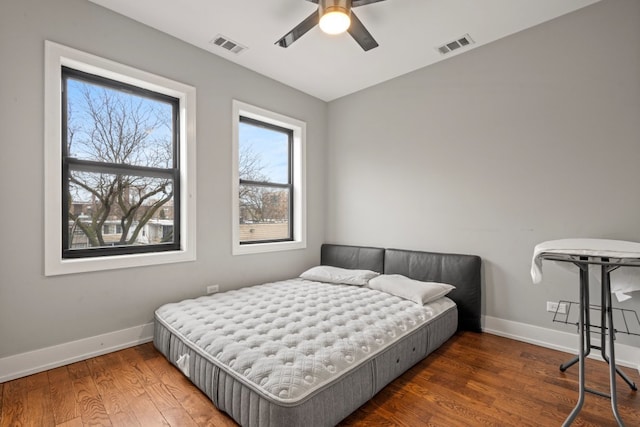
302,352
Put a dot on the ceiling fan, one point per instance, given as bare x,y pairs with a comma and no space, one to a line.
334,17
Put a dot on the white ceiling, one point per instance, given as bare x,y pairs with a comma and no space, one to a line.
329,67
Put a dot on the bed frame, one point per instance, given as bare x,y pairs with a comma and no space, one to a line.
462,271
339,399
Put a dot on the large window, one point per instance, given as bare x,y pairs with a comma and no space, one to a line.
121,177
119,165
269,197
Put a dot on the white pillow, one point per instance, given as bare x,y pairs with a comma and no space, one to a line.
329,274
413,290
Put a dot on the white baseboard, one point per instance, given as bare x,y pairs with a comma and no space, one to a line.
21,365
626,355
32,362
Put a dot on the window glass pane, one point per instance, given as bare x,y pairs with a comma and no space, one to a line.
105,124
264,213
118,210
264,154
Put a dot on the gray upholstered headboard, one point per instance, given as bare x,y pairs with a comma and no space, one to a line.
360,257
462,271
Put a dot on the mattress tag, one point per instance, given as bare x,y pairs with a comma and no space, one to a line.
183,364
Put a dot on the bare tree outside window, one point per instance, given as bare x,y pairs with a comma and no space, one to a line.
120,181
250,169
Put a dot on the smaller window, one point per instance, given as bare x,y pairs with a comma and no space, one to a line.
269,188
266,187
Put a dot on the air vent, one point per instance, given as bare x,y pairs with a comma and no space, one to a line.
228,44
463,41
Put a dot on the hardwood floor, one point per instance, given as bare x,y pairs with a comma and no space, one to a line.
473,380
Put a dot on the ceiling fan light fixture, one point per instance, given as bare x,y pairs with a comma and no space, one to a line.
334,16
335,22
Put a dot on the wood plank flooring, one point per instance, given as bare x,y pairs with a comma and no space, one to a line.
473,380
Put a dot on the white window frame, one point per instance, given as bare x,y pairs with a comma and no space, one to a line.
56,56
299,129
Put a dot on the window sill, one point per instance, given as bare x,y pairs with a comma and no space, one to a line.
83,265
257,248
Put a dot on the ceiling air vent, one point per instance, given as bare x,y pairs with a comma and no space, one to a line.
228,44
463,41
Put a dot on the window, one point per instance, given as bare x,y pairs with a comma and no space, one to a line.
119,168
120,165
268,185
264,166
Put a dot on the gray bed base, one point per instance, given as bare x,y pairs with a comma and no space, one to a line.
339,399
324,408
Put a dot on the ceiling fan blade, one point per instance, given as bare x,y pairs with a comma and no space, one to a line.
356,3
300,30
316,1
360,34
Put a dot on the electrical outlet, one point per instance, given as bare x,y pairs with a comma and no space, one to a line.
212,289
555,307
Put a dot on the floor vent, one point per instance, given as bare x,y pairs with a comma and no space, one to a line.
463,41
228,44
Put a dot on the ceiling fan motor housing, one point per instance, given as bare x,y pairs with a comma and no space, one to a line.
326,6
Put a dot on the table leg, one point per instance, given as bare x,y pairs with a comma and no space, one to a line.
584,303
606,304
587,324
607,313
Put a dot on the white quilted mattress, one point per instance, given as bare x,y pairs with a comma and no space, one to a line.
288,339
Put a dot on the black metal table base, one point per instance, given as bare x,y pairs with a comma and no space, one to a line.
607,334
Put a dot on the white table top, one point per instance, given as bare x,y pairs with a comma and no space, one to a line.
624,281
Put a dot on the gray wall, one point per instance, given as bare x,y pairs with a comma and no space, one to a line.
38,311
531,138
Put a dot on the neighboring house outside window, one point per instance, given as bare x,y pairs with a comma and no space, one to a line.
119,165
268,185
